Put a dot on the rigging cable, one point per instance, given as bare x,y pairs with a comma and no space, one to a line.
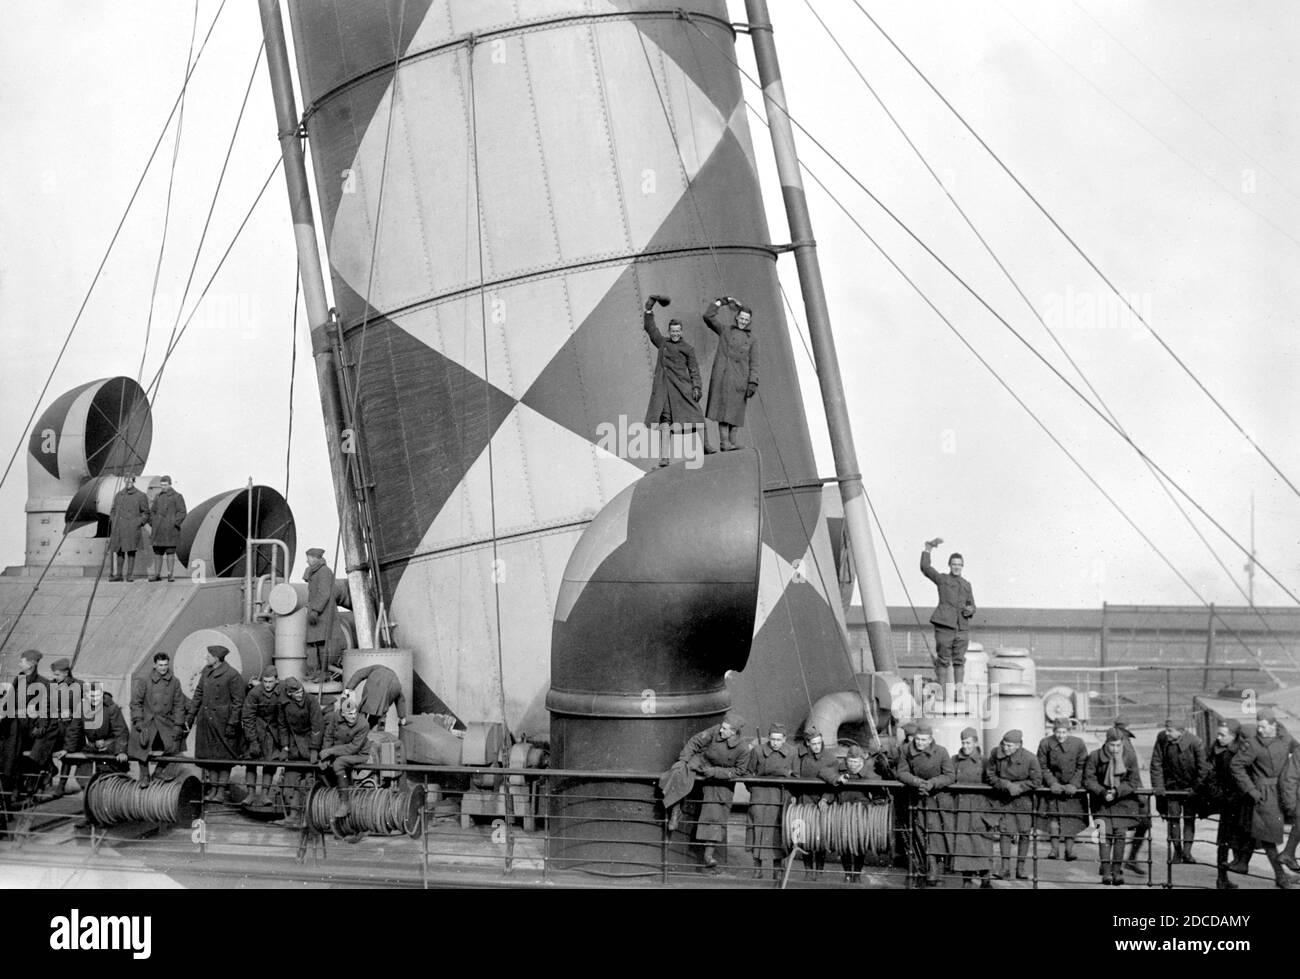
167,209
293,370
1042,322
1079,250
1014,332
1025,407
104,261
212,206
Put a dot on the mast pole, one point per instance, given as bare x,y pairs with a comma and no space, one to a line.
861,540
318,315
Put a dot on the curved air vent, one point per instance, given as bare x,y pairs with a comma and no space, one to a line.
97,429
215,531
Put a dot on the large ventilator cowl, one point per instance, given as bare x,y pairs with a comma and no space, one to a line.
102,429
656,606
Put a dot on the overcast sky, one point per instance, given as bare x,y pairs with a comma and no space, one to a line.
1162,136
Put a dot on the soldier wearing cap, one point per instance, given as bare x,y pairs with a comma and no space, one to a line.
23,736
972,850
1258,768
926,767
774,759
127,520
304,726
716,753
157,715
1062,756
1112,778
815,760
951,617
217,707
859,766
1178,764
1220,794
264,734
166,515
344,748
103,732
1014,774
320,614
67,695
1143,827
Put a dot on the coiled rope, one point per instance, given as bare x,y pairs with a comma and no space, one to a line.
113,798
855,828
386,812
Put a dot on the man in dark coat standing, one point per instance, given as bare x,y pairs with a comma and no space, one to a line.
165,518
321,612
127,521
734,379
24,739
720,754
927,768
972,848
1061,756
815,760
1257,769
1112,778
775,759
157,715
1178,764
67,705
675,394
1143,827
950,617
383,690
1220,794
264,734
217,709
302,721
1014,773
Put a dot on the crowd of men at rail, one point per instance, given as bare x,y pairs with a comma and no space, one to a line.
676,392
233,721
1250,780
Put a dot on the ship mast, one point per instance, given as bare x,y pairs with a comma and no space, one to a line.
861,541
318,314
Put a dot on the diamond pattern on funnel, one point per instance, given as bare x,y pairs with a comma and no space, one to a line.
419,393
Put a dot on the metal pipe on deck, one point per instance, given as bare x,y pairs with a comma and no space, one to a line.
861,539
318,314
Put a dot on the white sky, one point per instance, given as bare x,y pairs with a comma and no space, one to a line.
1161,197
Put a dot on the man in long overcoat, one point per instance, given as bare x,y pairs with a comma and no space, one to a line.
926,767
717,753
157,714
734,379
1257,769
1112,778
127,521
675,394
262,719
775,759
1061,756
815,760
165,518
216,710
24,740
305,727
972,849
1219,793
1178,764
1014,773
321,612
951,616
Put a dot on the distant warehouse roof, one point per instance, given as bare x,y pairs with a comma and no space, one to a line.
1162,618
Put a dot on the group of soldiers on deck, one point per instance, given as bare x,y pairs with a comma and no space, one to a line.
1250,780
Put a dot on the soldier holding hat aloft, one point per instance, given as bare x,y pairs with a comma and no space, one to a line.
320,613
1014,773
1111,776
166,515
217,707
264,734
127,521
734,379
716,753
773,759
675,394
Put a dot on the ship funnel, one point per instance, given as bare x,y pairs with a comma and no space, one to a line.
657,604
215,533
100,429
